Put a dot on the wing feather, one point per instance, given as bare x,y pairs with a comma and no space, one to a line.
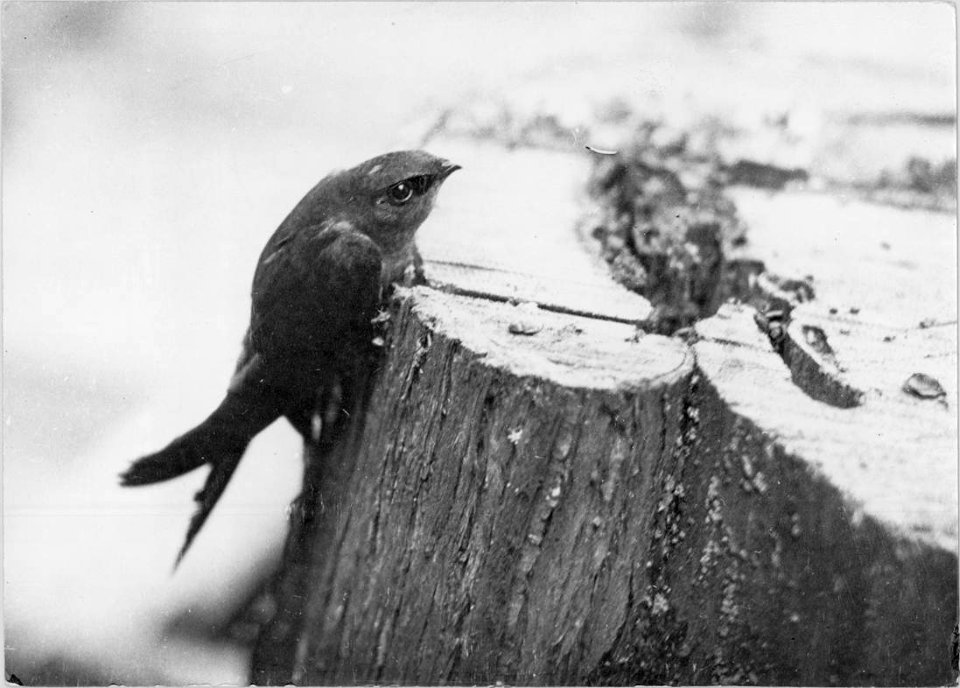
317,292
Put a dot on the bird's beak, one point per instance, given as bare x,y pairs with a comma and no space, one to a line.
446,169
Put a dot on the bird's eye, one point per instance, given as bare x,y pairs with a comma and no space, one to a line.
398,194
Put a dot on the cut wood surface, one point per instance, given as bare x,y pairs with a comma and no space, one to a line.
543,495
504,230
886,305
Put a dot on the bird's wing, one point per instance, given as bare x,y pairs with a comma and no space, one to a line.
316,292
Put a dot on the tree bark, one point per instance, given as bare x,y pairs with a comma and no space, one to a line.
490,522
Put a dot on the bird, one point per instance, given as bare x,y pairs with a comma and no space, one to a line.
318,290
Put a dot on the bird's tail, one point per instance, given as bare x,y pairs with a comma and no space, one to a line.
220,440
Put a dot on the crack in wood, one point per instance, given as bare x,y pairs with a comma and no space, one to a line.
450,288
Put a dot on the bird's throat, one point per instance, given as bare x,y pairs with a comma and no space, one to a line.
395,264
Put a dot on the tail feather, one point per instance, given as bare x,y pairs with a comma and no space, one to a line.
184,454
220,441
207,498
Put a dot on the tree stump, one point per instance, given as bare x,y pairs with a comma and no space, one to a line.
541,494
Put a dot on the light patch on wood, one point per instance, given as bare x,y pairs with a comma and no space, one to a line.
505,227
582,353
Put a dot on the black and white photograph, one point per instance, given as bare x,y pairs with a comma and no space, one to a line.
479,343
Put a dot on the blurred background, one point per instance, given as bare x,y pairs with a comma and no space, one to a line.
150,149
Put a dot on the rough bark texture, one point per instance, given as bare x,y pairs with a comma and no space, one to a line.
493,519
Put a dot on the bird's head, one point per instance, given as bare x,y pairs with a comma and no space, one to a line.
395,193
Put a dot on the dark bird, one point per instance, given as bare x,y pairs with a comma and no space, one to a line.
317,288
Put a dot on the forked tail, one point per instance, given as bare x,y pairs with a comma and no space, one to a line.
220,440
